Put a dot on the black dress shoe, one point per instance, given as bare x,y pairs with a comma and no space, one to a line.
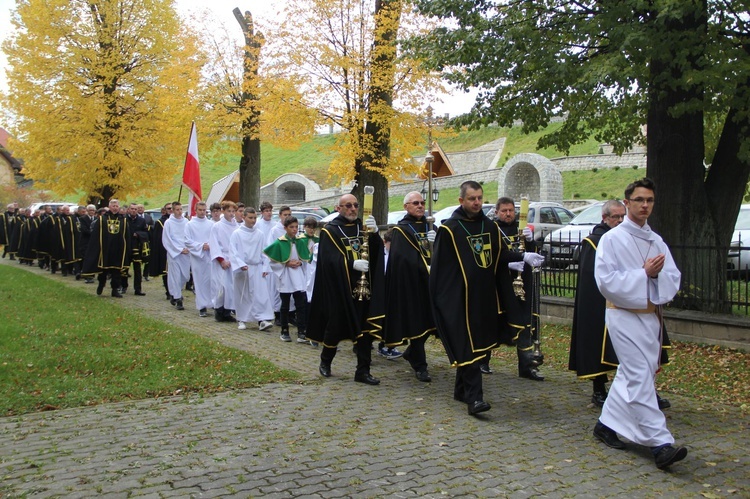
116,294
532,374
367,379
325,370
485,368
663,403
608,436
100,288
140,293
598,398
478,406
89,281
423,376
202,313
668,455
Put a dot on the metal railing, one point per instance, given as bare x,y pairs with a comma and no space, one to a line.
702,287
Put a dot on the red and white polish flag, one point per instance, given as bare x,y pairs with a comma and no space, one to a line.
191,175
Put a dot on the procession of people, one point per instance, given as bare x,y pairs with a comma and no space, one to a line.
340,283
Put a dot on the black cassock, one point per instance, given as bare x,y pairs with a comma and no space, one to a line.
109,246
408,309
69,231
334,314
464,283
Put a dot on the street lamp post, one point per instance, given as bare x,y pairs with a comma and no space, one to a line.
429,159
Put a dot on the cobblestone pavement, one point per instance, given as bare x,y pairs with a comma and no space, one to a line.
338,438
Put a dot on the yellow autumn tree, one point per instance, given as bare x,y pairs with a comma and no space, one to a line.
345,53
245,101
101,94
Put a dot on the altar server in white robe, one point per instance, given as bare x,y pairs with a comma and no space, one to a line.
635,272
197,234
222,285
274,232
178,255
250,269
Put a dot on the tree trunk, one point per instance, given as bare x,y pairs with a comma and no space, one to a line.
250,162
377,141
675,164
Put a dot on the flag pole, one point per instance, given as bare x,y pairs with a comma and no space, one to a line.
187,151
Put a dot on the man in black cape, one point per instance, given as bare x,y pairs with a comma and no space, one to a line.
334,314
465,279
50,242
109,249
69,235
7,224
505,217
141,249
157,263
408,314
27,241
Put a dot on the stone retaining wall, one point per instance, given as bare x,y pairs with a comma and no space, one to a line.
683,325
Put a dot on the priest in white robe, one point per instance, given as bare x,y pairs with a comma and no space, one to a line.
222,285
197,234
178,255
250,269
635,272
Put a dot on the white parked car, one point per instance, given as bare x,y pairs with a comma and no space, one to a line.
395,216
446,213
562,246
738,262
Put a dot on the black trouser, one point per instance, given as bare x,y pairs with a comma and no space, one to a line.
137,278
115,280
300,303
600,382
415,353
468,385
363,349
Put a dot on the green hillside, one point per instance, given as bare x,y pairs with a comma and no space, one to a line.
312,158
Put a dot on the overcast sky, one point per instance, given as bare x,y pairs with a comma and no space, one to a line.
265,10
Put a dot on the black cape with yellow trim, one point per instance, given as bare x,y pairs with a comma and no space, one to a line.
334,314
7,221
69,238
464,283
408,312
591,351
525,322
27,241
157,263
110,245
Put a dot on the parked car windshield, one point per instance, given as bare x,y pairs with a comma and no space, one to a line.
590,216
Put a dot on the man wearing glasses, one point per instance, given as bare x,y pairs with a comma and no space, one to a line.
587,339
335,315
408,309
637,275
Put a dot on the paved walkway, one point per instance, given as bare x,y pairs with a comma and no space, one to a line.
337,438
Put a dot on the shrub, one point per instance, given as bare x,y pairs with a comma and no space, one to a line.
576,195
595,169
605,195
635,167
616,168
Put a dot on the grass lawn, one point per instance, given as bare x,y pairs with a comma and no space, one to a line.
60,348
